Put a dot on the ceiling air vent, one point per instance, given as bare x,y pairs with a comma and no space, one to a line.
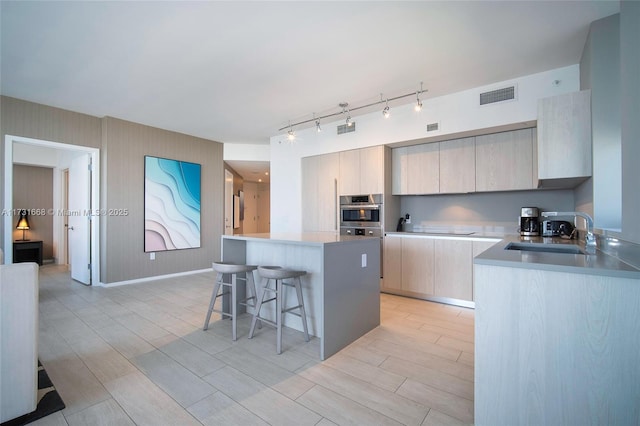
432,127
499,95
343,128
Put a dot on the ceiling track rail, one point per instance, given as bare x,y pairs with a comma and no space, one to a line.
344,111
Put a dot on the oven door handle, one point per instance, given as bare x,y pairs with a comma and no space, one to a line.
360,207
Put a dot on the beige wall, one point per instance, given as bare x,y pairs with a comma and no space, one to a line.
123,146
31,120
33,190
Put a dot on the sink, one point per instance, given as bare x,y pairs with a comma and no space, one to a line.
546,248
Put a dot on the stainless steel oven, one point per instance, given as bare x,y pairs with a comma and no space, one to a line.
363,215
361,211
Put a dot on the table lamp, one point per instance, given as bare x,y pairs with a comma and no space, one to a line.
23,223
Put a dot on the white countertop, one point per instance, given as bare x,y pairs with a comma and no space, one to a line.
305,238
599,263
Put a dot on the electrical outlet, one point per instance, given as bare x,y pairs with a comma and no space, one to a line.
152,256
364,260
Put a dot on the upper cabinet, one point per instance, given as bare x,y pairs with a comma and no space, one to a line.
564,139
362,171
504,161
457,166
416,169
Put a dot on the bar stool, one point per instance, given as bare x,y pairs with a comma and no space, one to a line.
279,274
223,268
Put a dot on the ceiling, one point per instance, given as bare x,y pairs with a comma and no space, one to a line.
237,71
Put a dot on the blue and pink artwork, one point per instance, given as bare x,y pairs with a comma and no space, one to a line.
171,204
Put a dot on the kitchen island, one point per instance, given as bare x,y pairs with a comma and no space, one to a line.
556,335
341,290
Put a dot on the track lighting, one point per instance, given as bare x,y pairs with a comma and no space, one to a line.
386,112
291,136
418,105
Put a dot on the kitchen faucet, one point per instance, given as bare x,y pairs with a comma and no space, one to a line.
590,239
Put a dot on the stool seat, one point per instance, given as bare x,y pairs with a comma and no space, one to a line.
278,273
232,268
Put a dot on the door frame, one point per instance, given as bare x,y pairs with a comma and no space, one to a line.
9,140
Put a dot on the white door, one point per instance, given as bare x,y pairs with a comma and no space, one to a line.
79,218
228,202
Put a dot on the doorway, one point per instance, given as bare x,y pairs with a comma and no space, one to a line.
20,146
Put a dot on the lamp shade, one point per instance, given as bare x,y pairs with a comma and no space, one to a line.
23,222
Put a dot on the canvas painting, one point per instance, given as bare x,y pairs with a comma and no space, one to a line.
171,204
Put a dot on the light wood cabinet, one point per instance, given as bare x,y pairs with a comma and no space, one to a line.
362,171
416,169
454,269
320,192
478,248
504,161
418,265
431,268
457,166
392,261
564,136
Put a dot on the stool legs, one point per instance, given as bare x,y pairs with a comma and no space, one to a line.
303,313
234,299
214,296
280,309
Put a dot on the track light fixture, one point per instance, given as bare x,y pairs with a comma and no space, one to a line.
385,111
291,136
418,106
345,110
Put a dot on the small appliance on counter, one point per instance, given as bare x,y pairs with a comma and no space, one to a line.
529,221
557,228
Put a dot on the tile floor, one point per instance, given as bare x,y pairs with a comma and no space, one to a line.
137,355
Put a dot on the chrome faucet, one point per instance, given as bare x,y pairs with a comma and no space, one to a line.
590,239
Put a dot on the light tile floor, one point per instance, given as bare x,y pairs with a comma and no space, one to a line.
137,355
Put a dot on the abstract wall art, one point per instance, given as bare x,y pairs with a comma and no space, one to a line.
171,204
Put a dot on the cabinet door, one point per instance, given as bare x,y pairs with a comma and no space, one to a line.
423,164
310,174
392,270
399,171
319,193
372,170
564,136
458,166
417,265
504,161
454,269
479,247
349,182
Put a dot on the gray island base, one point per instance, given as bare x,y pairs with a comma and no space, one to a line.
341,289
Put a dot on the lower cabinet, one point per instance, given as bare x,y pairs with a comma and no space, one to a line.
431,268
454,269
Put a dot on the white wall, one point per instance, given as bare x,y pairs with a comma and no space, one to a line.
455,113
246,152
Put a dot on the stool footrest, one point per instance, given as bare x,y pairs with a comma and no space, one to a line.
288,310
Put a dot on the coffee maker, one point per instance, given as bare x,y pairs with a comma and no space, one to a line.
529,221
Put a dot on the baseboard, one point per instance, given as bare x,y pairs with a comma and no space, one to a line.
156,277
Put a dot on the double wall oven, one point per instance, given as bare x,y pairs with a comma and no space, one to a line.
362,215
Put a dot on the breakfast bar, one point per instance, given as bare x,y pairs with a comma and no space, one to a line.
341,289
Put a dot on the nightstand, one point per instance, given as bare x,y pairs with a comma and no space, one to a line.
27,251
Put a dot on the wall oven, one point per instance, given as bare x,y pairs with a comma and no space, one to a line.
362,215
361,211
